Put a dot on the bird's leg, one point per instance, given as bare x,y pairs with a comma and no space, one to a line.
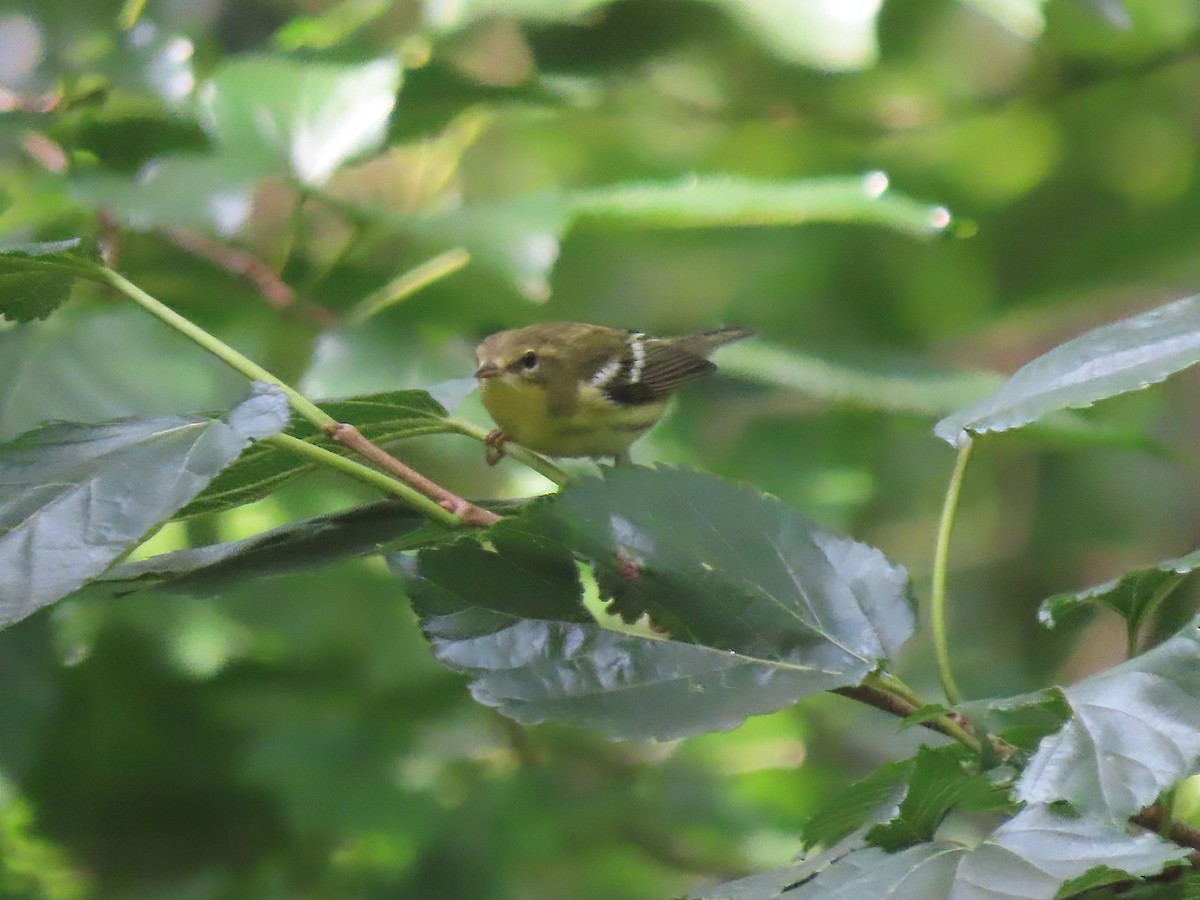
494,446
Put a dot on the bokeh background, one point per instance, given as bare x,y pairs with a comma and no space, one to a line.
293,737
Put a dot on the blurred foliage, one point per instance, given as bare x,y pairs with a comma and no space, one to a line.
294,736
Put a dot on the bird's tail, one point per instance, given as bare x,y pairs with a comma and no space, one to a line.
706,342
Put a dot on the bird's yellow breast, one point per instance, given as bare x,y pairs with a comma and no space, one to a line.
595,427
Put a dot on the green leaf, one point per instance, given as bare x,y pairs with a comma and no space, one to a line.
303,117
719,201
186,190
938,783
762,607
298,546
1036,852
777,883
867,802
1134,595
1134,732
36,279
922,872
725,566
74,498
65,369
265,467
1113,359
519,239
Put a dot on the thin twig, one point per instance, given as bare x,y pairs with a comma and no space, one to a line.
234,260
350,437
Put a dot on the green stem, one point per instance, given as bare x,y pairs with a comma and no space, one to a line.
891,694
941,559
539,464
218,348
346,466
409,283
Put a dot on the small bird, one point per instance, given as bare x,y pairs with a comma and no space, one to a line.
572,389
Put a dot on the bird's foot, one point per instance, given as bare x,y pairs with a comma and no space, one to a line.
494,446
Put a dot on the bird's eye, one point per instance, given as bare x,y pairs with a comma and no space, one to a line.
529,361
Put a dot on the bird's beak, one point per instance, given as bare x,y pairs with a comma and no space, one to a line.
487,370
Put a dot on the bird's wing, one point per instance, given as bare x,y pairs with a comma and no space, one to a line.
651,370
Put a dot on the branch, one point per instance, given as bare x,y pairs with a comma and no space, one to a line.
235,261
350,437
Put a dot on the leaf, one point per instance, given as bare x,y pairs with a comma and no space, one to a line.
65,369
725,566
298,546
1134,732
1037,851
938,783
1113,359
265,467
518,239
36,279
184,190
764,608
922,872
1134,595
867,802
777,883
303,117
74,498
712,201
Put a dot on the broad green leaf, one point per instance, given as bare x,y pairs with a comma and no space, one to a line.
1134,732
1037,851
1023,720
185,190
65,369
867,802
74,498
725,566
36,279
722,201
923,872
779,883
303,117
762,608
940,781
519,239
265,467
1134,595
298,546
1113,359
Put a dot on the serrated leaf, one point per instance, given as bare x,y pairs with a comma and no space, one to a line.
867,802
35,279
1134,732
764,608
776,883
712,200
298,546
74,498
1037,851
1113,359
265,467
937,784
1133,596
918,873
725,566
304,117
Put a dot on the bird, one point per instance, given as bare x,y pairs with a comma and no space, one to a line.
570,389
